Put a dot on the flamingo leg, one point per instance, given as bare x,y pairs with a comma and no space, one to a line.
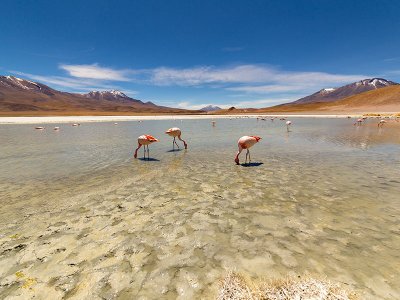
248,151
148,153
173,144
144,152
176,142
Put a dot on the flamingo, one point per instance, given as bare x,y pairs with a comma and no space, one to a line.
288,123
245,142
358,122
56,128
175,132
39,128
381,122
145,140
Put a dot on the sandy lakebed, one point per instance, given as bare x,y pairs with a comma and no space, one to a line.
80,218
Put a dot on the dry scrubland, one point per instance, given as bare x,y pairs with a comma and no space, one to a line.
236,287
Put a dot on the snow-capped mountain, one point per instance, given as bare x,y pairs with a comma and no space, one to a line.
113,94
210,108
376,83
25,96
333,94
15,83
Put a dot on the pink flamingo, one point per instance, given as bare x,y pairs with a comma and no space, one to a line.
175,132
381,122
145,140
245,142
288,123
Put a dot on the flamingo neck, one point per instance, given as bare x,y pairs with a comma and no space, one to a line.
137,150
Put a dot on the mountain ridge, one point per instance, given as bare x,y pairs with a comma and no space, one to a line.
21,96
333,94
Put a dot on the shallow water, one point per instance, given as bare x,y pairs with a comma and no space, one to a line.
80,218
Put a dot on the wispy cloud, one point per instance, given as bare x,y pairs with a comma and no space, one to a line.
391,59
263,89
72,84
256,75
246,81
95,71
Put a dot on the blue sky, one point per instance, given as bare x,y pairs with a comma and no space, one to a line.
191,53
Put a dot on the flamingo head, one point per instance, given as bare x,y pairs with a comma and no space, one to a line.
237,160
256,137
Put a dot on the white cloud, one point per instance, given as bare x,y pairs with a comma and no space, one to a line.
209,74
247,78
73,84
263,89
94,71
238,81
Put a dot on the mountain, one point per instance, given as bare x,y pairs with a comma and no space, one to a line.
24,97
374,101
378,100
211,108
333,94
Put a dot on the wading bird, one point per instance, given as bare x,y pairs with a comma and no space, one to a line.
381,122
145,140
175,132
245,142
288,123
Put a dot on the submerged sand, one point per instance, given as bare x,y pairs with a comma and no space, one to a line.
81,219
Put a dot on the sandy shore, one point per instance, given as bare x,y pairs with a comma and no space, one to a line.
83,119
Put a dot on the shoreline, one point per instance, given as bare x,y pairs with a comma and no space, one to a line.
89,119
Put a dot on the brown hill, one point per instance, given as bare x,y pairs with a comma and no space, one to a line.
380,100
333,94
23,97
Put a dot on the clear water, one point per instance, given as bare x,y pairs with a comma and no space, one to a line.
81,218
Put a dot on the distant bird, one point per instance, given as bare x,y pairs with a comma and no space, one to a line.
288,123
245,142
145,140
56,128
381,122
115,123
76,124
39,128
358,122
175,132
213,123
